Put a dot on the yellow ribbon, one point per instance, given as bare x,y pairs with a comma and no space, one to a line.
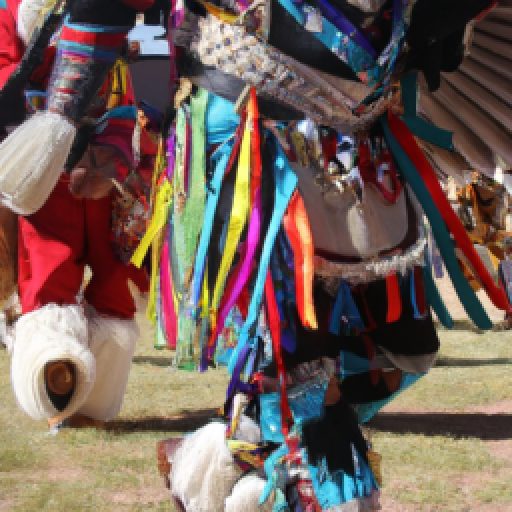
237,219
205,295
158,221
242,450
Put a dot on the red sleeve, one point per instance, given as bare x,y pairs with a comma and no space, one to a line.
11,47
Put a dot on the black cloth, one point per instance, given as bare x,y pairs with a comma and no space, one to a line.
436,34
101,12
332,436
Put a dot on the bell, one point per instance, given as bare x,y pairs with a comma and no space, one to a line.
60,377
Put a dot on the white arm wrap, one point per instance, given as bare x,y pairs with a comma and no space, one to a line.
29,13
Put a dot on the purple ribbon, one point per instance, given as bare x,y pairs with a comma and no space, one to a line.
342,23
235,384
171,153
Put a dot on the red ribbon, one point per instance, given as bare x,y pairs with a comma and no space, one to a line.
394,299
255,146
236,146
274,323
298,231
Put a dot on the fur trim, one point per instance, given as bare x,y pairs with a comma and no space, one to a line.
367,271
246,494
203,470
369,504
31,160
112,341
49,334
248,430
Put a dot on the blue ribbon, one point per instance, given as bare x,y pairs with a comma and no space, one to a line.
344,305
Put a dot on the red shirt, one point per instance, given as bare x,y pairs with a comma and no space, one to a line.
11,46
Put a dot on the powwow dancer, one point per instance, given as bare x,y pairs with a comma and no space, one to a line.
316,257
71,360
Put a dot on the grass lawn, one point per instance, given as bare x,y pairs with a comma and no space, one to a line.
446,443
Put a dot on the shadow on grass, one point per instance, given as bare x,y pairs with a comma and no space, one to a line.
487,427
187,420
462,362
153,360
467,325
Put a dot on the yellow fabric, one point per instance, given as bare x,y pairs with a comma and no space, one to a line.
119,83
155,274
237,220
242,450
219,13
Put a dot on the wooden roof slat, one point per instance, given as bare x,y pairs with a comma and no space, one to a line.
492,134
466,142
482,98
486,77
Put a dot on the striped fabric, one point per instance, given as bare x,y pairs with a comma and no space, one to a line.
92,41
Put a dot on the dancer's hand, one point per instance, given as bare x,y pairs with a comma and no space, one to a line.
92,177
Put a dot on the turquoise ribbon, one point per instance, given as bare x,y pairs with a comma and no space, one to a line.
419,127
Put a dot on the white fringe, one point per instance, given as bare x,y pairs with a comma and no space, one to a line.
29,14
246,494
48,334
203,470
31,160
112,341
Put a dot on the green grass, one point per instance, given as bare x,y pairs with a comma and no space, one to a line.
423,470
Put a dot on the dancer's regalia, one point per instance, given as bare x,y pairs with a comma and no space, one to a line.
72,347
289,238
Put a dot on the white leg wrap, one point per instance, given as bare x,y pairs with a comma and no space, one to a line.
246,494
49,334
203,470
112,341
31,160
